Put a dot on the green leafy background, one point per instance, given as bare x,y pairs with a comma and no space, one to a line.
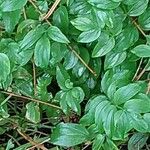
78,78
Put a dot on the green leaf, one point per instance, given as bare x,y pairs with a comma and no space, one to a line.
26,23
60,18
63,78
107,4
111,90
78,93
109,122
43,5
4,111
69,134
70,60
139,123
72,98
4,67
137,141
114,59
10,145
100,107
55,34
126,38
82,24
42,84
102,49
89,36
138,105
11,19
24,56
42,52
130,2
144,20
138,8
31,38
122,123
12,5
106,81
33,112
56,52
147,120
97,144
141,50
125,93
110,145
79,69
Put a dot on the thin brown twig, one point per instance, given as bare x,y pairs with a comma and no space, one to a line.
51,10
148,89
34,78
13,139
39,144
39,132
31,99
139,28
141,74
31,1
87,145
29,139
137,69
24,13
77,55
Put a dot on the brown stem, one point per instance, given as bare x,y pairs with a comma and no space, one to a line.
139,28
24,13
141,74
34,78
31,1
13,139
148,89
51,10
31,99
38,144
87,145
84,63
29,139
137,70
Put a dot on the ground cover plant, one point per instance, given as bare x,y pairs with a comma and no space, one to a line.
74,74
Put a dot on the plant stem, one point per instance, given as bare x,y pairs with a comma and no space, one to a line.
24,13
137,69
84,63
148,89
31,99
51,10
13,139
139,28
39,144
28,138
34,78
141,74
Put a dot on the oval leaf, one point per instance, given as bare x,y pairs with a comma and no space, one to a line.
42,52
69,134
55,34
142,50
4,67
